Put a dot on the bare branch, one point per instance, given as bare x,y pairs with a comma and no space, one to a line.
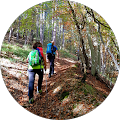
96,20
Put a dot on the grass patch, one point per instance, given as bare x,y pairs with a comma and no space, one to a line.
93,100
97,104
74,106
85,92
8,50
66,54
14,53
64,95
90,89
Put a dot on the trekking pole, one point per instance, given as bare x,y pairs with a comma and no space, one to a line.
46,86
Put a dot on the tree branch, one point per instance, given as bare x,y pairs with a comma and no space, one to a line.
79,30
96,20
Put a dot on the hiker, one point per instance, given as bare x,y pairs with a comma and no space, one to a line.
40,63
52,50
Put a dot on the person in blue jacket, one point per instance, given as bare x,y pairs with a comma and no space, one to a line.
51,58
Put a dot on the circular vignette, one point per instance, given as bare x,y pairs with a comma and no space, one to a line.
116,84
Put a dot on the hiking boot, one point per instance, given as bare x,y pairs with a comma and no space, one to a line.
39,91
52,73
31,100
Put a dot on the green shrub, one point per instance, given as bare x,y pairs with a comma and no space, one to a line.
64,95
67,54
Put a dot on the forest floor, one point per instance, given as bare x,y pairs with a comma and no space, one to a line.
66,96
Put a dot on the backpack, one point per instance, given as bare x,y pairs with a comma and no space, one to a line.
41,50
34,58
49,48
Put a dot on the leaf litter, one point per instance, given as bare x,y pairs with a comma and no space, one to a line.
67,96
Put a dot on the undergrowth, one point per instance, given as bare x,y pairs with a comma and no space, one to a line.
66,54
64,95
14,53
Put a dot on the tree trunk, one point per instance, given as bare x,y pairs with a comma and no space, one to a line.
49,28
99,58
10,33
45,27
81,38
40,24
57,32
63,40
37,26
26,37
54,30
93,55
31,36
102,63
41,27
81,55
18,27
117,66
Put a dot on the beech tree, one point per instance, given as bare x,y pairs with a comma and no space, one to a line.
73,27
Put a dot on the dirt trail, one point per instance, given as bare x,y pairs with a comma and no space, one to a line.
65,80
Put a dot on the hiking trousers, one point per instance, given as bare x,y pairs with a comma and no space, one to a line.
51,59
31,75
